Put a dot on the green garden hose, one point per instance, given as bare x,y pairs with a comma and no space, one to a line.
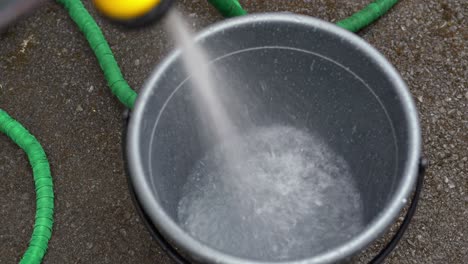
99,45
366,16
228,8
43,184
354,23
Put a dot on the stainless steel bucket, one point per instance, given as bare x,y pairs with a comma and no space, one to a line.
318,76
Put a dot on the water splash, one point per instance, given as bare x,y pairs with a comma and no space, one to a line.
295,198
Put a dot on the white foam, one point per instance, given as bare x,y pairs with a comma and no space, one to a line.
287,197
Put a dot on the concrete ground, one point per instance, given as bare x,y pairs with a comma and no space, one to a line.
51,82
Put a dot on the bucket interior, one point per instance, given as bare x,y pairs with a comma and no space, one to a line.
316,82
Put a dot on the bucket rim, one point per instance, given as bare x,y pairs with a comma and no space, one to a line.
201,252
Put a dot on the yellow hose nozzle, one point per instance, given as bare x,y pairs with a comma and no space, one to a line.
133,12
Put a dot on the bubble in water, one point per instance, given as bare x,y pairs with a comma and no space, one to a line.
288,197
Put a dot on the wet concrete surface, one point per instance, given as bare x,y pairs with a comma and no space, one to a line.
51,82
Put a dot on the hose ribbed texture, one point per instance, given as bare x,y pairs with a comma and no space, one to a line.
98,43
43,184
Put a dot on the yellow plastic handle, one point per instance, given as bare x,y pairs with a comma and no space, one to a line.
125,9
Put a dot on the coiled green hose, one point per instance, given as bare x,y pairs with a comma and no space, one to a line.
43,183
